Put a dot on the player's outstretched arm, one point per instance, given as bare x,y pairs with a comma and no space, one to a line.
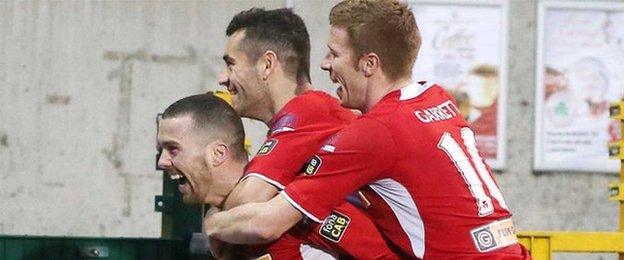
251,189
253,223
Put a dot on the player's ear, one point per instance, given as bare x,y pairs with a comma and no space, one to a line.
216,153
369,63
267,63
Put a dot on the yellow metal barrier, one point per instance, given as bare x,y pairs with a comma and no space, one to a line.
228,98
543,244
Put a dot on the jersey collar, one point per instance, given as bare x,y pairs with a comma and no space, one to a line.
414,90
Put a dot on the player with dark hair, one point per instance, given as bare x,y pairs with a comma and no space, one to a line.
267,73
280,31
199,136
201,142
430,192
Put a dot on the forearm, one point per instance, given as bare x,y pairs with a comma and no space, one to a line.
253,223
248,191
237,225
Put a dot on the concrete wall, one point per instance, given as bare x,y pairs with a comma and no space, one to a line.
80,84
552,200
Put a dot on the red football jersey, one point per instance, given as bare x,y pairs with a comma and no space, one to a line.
295,133
429,190
290,246
294,136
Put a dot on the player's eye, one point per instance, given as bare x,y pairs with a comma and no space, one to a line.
173,151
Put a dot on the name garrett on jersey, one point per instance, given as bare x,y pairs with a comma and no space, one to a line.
443,111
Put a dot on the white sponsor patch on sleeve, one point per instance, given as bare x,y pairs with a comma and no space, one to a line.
329,148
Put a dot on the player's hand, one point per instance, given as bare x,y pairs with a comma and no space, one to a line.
215,245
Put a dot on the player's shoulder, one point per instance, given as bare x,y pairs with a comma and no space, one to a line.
313,98
317,105
366,126
416,96
300,104
420,100
434,93
365,135
310,110
422,93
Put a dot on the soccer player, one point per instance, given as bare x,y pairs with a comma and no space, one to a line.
201,139
267,73
430,192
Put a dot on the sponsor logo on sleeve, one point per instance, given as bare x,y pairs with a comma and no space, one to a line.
329,148
494,235
330,144
484,239
267,147
334,226
313,165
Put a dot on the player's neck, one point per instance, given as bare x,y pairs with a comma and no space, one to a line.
303,87
282,92
234,170
380,86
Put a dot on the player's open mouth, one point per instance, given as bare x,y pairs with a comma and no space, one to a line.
339,91
181,179
183,185
232,90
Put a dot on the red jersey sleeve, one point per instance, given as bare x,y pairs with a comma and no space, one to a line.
280,159
355,156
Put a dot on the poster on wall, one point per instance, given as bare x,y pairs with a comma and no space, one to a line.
580,70
464,45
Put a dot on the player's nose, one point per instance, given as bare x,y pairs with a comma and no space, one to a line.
224,80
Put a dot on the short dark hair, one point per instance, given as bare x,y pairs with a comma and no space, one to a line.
213,116
279,30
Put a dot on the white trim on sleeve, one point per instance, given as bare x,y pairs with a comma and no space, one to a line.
312,253
264,178
298,207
